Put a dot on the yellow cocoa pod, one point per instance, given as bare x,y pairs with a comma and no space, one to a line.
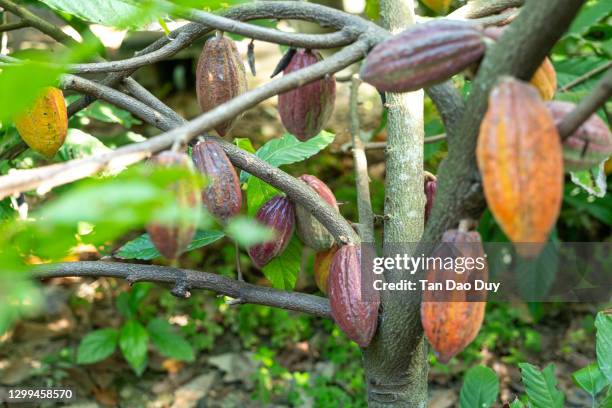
545,80
44,125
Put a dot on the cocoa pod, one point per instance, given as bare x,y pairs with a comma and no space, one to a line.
439,6
322,263
310,231
423,55
589,145
222,195
521,162
452,318
544,79
43,126
305,110
173,239
220,76
431,186
356,316
277,213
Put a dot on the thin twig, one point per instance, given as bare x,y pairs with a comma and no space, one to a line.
13,26
483,8
586,77
362,179
186,279
588,106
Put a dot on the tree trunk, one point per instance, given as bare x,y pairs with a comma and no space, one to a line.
396,361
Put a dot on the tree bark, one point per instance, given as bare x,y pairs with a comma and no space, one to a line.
396,361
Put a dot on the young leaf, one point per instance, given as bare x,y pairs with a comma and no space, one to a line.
114,13
143,248
288,150
283,270
593,181
133,340
245,144
169,343
590,379
480,388
248,232
541,386
97,345
603,346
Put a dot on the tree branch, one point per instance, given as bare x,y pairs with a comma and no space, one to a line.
362,179
587,106
13,26
519,52
483,8
586,76
185,279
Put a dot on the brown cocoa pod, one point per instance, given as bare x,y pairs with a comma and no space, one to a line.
356,316
220,76
173,239
305,110
431,186
544,79
44,125
322,263
521,162
452,318
310,231
277,213
423,55
589,145
222,195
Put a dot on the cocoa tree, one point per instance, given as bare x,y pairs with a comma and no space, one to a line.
395,359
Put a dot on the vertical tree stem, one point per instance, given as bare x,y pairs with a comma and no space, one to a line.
396,361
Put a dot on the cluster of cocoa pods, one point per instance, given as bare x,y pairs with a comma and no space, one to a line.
221,76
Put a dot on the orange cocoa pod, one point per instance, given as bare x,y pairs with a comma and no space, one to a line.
545,80
220,76
520,158
171,239
451,318
44,125
322,263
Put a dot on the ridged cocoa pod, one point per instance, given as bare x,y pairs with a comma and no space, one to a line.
586,147
220,76
521,162
310,231
45,124
423,55
172,240
357,317
222,195
304,111
277,213
544,79
452,318
431,186
322,263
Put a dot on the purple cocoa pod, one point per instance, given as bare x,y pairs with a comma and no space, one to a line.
277,213
304,111
423,55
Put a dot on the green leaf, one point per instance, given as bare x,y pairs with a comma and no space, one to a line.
283,270
593,181
517,404
258,192
589,15
79,144
372,9
480,388
600,208
123,305
245,144
288,150
606,402
105,112
114,13
97,345
133,340
571,69
248,232
541,386
143,248
590,379
138,292
603,346
169,343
